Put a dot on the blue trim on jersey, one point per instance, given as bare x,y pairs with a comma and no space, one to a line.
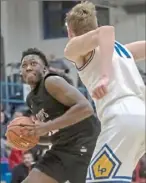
112,181
114,177
111,171
123,177
119,162
120,49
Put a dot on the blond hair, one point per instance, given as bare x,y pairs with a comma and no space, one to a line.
82,18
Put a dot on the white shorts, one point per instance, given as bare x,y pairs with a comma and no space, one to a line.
120,145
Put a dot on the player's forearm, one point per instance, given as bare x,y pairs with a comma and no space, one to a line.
138,50
81,45
106,41
74,115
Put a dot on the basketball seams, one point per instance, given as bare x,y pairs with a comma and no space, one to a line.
14,134
27,141
19,125
17,144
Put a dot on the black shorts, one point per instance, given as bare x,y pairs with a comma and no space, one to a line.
69,161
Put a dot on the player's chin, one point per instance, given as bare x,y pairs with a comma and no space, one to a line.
31,80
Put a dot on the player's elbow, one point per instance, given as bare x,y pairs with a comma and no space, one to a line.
107,28
102,34
106,31
87,109
69,52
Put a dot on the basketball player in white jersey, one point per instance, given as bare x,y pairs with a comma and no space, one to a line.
108,70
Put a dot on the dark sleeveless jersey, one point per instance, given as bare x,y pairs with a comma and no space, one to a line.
45,108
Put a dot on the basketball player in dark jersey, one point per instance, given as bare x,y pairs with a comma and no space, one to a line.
62,111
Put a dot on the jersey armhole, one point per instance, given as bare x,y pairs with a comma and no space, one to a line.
130,53
50,74
87,62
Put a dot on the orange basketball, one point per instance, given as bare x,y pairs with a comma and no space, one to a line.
15,138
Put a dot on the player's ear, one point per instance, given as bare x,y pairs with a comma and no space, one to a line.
44,70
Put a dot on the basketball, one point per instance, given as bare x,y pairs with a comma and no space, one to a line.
14,137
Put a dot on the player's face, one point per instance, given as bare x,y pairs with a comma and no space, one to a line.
70,33
32,69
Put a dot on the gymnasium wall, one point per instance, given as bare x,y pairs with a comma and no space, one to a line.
21,27
129,27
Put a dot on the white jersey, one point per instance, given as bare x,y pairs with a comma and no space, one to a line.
126,80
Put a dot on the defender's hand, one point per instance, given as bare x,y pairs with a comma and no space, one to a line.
101,89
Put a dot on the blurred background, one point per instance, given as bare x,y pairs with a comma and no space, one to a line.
40,24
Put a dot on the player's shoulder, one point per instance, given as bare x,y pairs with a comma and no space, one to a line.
55,83
57,78
53,78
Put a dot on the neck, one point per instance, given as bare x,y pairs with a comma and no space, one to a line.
32,86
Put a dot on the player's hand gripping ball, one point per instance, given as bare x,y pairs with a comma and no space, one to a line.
15,137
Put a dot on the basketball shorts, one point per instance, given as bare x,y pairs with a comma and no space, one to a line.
120,145
68,159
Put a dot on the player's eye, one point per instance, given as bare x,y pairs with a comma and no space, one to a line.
33,63
24,65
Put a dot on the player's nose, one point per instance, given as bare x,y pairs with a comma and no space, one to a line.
29,68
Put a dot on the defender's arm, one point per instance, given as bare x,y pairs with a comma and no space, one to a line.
138,50
103,38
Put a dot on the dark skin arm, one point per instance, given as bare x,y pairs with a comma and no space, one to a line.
68,95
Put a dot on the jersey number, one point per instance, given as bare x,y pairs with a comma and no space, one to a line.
121,51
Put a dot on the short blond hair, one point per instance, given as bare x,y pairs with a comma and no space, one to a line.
82,18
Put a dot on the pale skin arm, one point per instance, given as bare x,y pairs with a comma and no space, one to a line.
138,50
103,37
